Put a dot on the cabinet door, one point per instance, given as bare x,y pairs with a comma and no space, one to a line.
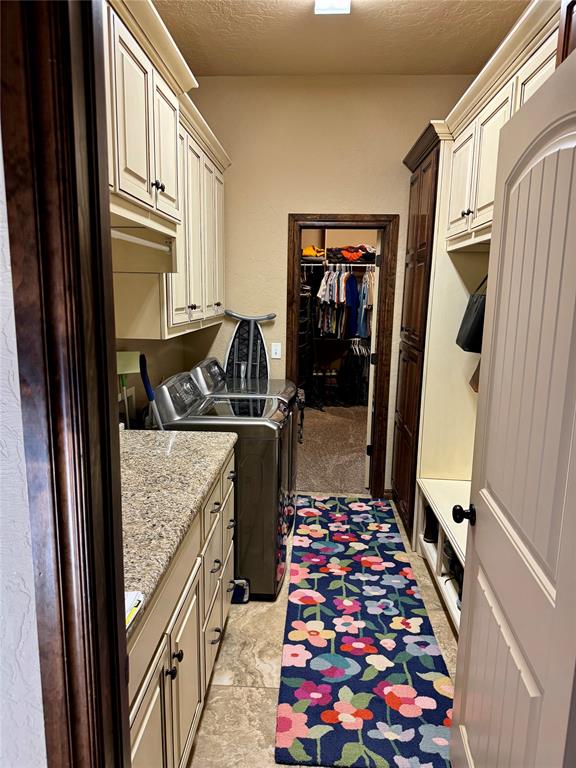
187,653
219,241
536,70
193,214
461,181
488,124
109,90
209,237
151,718
406,432
166,146
134,117
213,631
213,562
178,282
227,584
407,327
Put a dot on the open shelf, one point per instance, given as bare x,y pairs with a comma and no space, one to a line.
446,588
442,495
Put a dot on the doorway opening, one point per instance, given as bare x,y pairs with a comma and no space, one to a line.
341,279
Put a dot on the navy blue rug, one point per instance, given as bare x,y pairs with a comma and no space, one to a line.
363,679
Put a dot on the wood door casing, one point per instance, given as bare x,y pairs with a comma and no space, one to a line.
412,334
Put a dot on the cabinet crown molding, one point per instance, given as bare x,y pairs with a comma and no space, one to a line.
145,23
194,122
435,131
534,25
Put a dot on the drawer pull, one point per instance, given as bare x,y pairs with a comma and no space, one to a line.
217,566
231,524
179,655
232,476
172,673
231,585
216,507
218,631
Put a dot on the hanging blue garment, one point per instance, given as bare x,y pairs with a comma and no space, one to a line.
352,303
362,311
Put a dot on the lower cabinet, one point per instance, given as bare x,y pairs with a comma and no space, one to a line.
151,716
167,703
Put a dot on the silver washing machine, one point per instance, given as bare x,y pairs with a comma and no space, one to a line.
264,503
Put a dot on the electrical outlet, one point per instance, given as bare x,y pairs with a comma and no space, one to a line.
276,350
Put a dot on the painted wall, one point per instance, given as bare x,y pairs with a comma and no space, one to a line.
22,742
322,144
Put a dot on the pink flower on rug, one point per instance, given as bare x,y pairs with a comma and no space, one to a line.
295,655
301,541
306,597
308,512
338,527
320,498
348,624
410,625
404,699
312,631
346,604
298,573
358,646
335,569
337,517
408,573
289,726
317,695
359,506
344,537
313,559
373,562
388,643
384,527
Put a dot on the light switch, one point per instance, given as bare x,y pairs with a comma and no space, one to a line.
276,350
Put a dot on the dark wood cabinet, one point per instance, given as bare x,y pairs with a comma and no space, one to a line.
423,162
567,31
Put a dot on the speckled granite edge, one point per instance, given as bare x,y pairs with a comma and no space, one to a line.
166,477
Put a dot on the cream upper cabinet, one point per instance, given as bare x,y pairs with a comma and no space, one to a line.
459,207
177,282
150,722
193,214
209,237
536,70
488,124
219,239
166,149
134,117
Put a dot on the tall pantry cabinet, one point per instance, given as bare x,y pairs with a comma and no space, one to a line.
422,160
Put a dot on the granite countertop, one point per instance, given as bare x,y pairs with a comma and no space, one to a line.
166,477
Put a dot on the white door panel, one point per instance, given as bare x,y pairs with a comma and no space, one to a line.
517,655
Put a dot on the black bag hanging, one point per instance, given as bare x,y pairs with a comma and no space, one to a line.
470,333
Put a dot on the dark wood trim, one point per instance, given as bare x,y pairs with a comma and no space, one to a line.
54,143
389,224
422,147
567,31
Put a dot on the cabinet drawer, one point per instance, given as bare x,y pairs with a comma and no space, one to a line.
212,507
228,522
228,476
227,584
213,562
212,635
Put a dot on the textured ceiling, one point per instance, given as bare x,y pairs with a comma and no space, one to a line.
284,37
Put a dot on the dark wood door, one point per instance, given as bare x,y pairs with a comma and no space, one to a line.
412,333
567,31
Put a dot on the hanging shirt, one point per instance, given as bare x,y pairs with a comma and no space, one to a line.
352,302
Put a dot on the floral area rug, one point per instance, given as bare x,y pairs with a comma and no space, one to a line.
363,679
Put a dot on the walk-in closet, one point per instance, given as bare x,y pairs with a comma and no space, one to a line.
338,296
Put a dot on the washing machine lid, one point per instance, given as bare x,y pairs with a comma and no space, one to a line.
178,396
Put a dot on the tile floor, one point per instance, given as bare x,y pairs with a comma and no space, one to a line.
238,723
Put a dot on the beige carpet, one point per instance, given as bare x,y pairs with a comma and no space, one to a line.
333,455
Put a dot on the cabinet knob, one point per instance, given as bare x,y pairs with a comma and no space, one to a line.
231,524
232,476
172,673
179,655
155,184
162,187
230,588
216,507
459,514
217,303
466,213
192,306
218,631
217,566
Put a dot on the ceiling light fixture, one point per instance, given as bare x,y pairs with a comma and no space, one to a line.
322,7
